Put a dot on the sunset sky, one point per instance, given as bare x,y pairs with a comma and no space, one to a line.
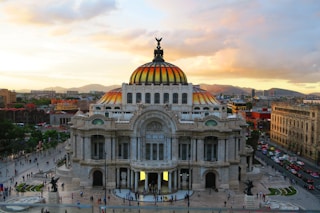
246,43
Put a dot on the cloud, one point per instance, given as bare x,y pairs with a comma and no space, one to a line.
54,12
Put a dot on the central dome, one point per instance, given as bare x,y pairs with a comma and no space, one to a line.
158,71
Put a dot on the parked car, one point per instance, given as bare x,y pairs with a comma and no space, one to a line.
309,186
308,180
300,163
299,175
314,174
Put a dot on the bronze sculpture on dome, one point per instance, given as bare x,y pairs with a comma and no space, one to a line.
158,53
158,40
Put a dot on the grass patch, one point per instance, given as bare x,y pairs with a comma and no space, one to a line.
23,187
288,191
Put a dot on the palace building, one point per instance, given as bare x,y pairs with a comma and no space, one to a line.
159,132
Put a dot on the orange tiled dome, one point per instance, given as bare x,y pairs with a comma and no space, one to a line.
158,71
112,97
201,96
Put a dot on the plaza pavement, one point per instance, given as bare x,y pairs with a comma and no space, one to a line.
262,177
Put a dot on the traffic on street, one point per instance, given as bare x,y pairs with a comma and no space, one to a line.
298,170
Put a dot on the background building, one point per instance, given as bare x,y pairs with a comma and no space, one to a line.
159,133
7,97
297,128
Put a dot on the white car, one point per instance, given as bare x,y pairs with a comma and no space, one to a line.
300,163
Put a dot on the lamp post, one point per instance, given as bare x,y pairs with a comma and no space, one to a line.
189,177
105,179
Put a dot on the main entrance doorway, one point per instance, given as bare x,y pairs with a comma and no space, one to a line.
211,180
97,178
153,180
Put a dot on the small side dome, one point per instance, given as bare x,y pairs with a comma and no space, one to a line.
201,96
112,97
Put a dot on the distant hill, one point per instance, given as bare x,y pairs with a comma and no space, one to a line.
226,89
284,92
84,89
215,89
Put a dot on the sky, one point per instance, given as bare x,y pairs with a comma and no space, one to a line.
247,43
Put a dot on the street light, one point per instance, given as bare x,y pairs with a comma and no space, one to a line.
105,179
188,181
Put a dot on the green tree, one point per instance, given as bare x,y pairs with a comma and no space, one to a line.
18,105
253,139
249,105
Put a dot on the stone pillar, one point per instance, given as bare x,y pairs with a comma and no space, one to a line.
200,149
132,180
174,149
175,181
128,178
107,146
139,148
170,181
190,179
133,148
136,181
146,182
220,150
179,179
118,178
159,181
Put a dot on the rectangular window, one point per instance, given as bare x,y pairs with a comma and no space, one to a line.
161,154
148,152
138,98
166,98
125,151
148,98
184,98
157,98
175,98
154,151
129,98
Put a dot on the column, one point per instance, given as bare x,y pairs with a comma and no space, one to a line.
159,181
200,149
146,183
226,155
133,148
170,181
128,178
132,180
220,150
139,148
179,179
168,145
118,178
190,179
175,183
174,149
135,181
107,146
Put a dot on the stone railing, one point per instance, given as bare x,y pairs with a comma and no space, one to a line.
153,165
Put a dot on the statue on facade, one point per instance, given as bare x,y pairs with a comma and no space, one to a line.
249,184
54,184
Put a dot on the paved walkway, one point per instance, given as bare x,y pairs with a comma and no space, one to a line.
263,178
